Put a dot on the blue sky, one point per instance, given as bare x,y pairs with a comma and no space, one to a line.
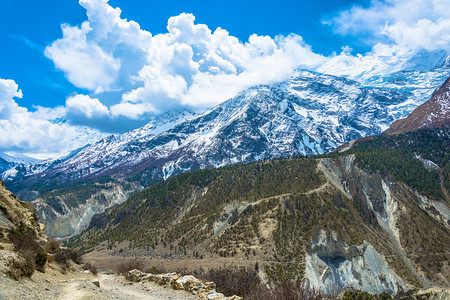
32,25
71,71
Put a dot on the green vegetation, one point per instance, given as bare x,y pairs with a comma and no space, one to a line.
361,295
26,244
246,283
74,195
270,211
397,155
56,185
201,195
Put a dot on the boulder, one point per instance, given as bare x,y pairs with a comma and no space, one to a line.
188,283
96,283
136,275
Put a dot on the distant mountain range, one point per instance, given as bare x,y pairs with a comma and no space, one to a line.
8,161
372,217
311,113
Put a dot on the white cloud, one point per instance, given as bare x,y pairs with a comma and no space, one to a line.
190,65
130,74
34,132
407,24
95,55
85,106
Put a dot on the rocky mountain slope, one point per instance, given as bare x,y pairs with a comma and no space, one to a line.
24,246
433,113
309,114
5,165
344,220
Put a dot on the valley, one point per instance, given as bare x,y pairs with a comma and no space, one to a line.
255,184
316,218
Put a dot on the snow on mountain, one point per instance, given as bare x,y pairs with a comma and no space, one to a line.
8,161
310,113
19,158
5,165
365,68
434,113
106,146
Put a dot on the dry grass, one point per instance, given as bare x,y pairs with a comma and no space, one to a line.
23,266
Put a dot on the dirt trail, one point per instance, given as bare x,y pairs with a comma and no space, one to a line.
80,286
116,287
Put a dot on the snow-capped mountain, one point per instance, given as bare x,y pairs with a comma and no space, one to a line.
310,113
19,159
8,161
5,165
434,113
369,67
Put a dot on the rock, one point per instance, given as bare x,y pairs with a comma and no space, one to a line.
215,295
96,283
136,275
188,283
210,285
203,290
235,298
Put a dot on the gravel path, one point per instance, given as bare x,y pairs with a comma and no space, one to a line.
80,286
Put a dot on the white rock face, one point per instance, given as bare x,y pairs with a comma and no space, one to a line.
73,219
333,265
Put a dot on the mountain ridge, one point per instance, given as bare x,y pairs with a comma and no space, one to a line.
325,129
299,217
433,113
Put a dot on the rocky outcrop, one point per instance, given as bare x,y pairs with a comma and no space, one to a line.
204,290
332,266
14,213
70,215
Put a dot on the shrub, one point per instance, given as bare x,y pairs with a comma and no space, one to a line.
64,255
124,267
157,270
25,242
245,282
24,266
89,266
53,245
286,291
234,281
40,258
361,295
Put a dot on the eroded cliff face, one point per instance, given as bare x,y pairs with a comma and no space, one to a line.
387,203
72,217
327,221
332,265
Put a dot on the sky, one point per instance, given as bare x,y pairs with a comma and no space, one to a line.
72,71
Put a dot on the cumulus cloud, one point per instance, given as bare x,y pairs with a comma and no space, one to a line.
406,24
37,133
85,106
130,74
188,66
